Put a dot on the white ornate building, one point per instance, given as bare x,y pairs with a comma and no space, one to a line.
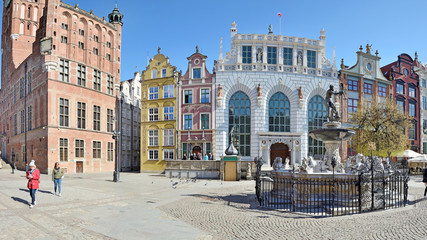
271,89
131,122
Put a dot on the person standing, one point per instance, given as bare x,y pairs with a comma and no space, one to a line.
57,175
33,176
206,157
425,181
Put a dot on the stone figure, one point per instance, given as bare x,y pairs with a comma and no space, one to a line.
368,48
300,92
333,114
287,164
277,164
270,29
249,171
219,90
311,162
259,55
259,90
299,58
304,165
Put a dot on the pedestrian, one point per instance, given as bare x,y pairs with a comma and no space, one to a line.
206,157
425,181
192,157
57,175
33,176
210,156
184,157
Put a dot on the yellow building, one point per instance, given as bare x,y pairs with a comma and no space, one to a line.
158,114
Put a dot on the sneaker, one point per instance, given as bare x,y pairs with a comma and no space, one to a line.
35,203
31,205
59,195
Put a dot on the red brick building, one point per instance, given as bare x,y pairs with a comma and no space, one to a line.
406,93
60,65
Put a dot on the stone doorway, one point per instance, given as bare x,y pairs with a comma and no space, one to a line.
279,150
197,150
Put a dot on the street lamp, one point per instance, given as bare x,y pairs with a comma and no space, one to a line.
117,135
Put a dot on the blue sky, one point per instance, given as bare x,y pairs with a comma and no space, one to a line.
391,26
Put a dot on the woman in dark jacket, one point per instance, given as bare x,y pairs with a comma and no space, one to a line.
425,181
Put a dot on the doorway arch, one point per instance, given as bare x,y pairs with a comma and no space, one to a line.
279,150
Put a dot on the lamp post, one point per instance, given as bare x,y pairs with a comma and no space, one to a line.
117,136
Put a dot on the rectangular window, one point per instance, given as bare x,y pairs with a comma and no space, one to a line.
168,91
246,54
352,85
164,72
95,38
110,85
29,82
153,137
80,148
412,92
81,32
81,45
15,92
400,88
272,55
412,111
108,56
63,149
64,26
64,39
96,147
185,150
15,124
21,88
188,121
110,153
168,113
30,118
63,112
205,120
382,91
287,56
81,75
168,137
424,103
110,115
168,154
352,106
368,88
153,114
64,70
311,59
208,148
154,73
423,83
97,80
81,115
400,105
95,51
153,155
188,96
197,73
96,118
153,93
22,121
204,96
412,132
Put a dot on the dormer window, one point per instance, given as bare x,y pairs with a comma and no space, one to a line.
197,73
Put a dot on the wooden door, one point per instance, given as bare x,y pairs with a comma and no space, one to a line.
230,171
279,150
79,167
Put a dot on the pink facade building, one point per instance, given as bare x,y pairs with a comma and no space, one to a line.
196,116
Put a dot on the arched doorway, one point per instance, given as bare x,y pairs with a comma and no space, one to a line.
197,150
279,150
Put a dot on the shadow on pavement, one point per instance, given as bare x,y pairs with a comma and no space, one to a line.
42,191
20,200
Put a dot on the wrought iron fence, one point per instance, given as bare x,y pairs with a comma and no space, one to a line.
332,194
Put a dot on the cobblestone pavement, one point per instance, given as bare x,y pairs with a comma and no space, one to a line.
149,206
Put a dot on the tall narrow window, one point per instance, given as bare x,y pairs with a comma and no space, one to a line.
110,156
311,59
352,107
81,75
204,120
63,149
30,118
81,32
412,110
96,118
81,115
95,51
15,124
97,80
80,148
164,72
63,112
95,38
246,54
64,70
272,55
110,85
188,96
21,88
154,73
188,121
168,137
279,113
29,82
240,119
22,121
204,96
96,147
110,115
81,45
287,56
411,91
317,115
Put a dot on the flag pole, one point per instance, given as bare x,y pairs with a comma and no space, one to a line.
280,23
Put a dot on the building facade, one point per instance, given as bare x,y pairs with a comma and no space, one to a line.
196,118
270,93
406,93
158,113
363,83
131,123
421,70
59,68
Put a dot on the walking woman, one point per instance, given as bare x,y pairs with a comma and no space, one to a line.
33,176
57,175
425,181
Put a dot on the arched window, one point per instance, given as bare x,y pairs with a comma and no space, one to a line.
240,118
279,119
317,115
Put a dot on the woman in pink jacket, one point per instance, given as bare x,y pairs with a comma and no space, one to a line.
33,176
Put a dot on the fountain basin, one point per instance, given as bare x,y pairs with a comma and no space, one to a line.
332,134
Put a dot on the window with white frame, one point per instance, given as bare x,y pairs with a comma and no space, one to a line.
188,121
204,95
168,137
197,73
153,137
424,102
153,114
412,91
153,154
400,88
154,73
188,96
204,117
168,154
168,113
168,91
163,72
153,93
